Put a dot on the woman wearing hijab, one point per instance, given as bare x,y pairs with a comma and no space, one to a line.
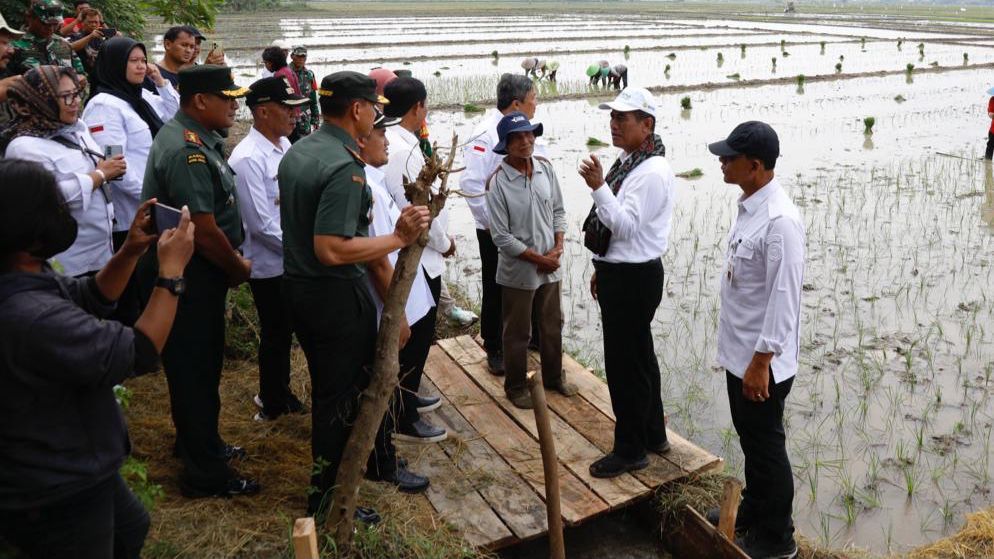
125,115
62,436
46,128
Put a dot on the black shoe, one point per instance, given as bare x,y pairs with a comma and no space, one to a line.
613,465
761,548
495,360
427,403
294,405
367,515
405,480
660,448
421,432
533,344
232,452
713,516
234,487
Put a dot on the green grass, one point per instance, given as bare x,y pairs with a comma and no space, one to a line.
594,142
694,173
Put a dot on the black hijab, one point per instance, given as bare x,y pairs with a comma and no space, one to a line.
111,69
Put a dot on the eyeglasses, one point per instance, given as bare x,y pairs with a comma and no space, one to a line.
70,98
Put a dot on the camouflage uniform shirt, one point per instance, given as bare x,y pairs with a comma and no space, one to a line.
310,114
31,52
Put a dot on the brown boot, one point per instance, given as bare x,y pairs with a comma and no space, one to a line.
520,397
563,387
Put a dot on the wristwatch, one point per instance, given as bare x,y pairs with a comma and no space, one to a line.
176,286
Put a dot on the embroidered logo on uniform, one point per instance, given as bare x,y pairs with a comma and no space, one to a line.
196,158
95,129
774,248
192,137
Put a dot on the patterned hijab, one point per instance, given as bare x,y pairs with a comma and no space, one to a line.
35,104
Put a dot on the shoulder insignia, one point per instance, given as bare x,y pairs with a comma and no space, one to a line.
191,137
195,158
355,155
358,179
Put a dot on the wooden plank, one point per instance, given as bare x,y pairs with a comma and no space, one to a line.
514,444
459,504
698,539
575,452
599,430
305,539
729,507
521,509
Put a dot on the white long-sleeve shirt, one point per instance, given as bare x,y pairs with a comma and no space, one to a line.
640,216
111,122
256,162
406,160
761,284
92,208
385,214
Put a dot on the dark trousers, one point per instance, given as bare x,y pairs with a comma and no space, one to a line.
274,344
628,295
129,306
491,312
520,306
412,361
193,358
335,322
102,522
989,153
769,492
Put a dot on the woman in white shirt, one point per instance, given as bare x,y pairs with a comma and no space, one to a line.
46,128
124,114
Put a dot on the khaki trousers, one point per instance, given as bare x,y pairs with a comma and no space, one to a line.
517,307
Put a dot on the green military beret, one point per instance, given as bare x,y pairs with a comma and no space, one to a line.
209,78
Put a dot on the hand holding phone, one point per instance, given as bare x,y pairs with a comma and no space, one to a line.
165,217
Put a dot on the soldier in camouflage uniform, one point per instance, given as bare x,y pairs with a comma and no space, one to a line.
41,46
7,36
309,118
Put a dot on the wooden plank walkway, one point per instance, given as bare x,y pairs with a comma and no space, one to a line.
487,477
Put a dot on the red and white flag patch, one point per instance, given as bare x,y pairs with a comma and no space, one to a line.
480,149
97,128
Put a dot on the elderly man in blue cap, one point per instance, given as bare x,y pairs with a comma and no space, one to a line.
527,221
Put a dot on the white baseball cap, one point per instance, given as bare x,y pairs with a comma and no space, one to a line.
8,29
633,99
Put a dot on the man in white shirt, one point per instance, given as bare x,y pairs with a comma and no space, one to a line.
514,93
408,103
256,160
628,230
759,332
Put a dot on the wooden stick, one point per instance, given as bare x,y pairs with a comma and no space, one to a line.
729,508
305,539
550,465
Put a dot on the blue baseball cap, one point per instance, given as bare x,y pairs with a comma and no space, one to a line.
511,123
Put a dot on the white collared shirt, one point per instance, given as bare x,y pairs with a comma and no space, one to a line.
761,284
481,162
112,121
640,216
256,162
92,209
385,214
407,160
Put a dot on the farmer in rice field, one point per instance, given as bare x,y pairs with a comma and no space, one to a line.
553,67
759,333
618,76
533,66
628,231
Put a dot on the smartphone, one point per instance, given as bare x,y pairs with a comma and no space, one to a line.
165,217
113,151
108,32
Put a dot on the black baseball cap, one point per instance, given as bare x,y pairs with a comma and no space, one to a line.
753,138
350,85
273,89
384,121
197,35
209,78
403,93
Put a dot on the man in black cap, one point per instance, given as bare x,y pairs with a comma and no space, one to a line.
759,333
255,159
186,166
325,207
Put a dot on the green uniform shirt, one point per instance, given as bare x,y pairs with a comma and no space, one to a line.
323,191
310,114
31,52
186,166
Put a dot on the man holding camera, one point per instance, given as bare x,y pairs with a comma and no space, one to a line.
87,42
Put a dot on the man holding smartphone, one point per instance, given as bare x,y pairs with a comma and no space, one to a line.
87,41
186,166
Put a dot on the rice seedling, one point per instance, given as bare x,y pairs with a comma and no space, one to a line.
899,98
910,68
627,49
494,54
800,80
774,60
671,56
694,173
734,76
868,123
594,142
743,47
685,103
721,58
838,67
472,108
966,58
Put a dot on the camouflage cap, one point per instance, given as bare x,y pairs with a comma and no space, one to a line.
48,11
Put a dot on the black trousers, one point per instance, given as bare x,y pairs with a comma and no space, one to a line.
102,522
412,361
193,358
989,153
768,497
275,337
491,312
628,295
129,306
335,322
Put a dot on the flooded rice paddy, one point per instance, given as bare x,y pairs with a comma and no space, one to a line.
890,419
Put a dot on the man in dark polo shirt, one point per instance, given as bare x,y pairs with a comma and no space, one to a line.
325,209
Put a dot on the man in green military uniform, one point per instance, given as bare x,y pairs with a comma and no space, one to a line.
186,166
325,209
41,45
309,118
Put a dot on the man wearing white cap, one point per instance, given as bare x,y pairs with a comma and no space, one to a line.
7,34
627,230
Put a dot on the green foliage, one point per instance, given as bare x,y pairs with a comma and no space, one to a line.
135,474
250,5
694,173
201,13
472,108
868,123
125,15
685,103
594,142
910,67
241,336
